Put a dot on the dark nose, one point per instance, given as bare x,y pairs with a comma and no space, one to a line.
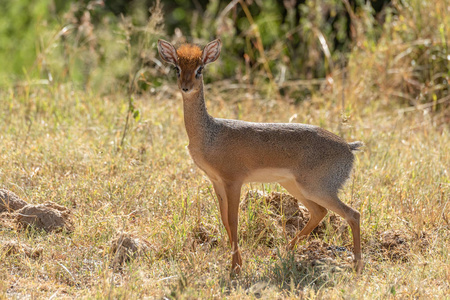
185,89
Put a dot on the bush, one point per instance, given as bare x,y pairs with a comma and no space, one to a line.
108,48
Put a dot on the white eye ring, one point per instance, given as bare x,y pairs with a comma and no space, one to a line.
198,73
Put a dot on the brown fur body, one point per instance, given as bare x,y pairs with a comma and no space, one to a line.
310,162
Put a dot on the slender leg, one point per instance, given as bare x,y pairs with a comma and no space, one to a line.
332,202
233,192
317,212
219,188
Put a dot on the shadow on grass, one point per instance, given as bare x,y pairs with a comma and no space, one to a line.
291,275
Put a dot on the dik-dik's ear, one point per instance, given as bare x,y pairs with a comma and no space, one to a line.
167,52
211,51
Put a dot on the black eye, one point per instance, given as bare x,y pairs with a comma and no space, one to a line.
199,72
176,68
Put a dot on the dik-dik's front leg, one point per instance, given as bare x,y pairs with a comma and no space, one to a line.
229,194
219,188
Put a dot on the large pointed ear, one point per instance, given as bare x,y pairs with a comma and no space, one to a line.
167,52
211,51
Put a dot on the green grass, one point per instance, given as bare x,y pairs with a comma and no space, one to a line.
63,146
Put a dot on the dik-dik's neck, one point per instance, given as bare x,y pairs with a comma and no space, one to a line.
196,117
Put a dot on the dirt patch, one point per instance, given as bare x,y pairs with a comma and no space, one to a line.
12,248
316,251
397,244
48,216
423,240
204,234
295,216
287,205
10,202
126,246
7,220
282,215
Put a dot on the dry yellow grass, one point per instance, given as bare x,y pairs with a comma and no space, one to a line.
61,145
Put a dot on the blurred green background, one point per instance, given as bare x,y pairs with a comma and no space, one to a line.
108,46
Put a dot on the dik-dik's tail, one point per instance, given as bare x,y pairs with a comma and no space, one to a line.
355,146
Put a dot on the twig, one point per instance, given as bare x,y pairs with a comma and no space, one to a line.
125,127
67,270
353,19
227,9
291,83
423,106
260,46
302,82
259,43
167,278
325,48
143,187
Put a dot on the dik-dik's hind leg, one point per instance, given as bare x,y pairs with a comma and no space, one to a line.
332,202
317,212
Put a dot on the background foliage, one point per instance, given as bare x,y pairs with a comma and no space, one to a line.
110,45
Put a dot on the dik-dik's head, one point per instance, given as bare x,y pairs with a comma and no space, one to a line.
189,61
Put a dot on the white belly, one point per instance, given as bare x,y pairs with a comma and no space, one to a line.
270,175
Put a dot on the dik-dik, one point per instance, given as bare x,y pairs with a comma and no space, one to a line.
309,162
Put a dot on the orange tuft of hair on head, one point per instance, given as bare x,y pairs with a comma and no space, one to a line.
189,55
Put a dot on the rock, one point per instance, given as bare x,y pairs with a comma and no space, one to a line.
48,216
10,202
126,246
